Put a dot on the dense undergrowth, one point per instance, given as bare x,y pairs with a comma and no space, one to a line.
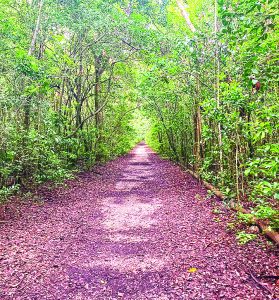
83,81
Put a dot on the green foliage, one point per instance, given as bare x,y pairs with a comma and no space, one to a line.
244,238
245,218
265,212
261,212
6,192
203,109
216,211
68,101
231,226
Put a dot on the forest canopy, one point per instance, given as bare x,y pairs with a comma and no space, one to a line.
82,81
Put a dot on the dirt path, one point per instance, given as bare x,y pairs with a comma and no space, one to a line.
138,230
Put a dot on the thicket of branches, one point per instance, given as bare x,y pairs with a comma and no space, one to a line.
215,106
67,88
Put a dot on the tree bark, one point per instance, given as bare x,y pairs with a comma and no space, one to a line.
217,85
185,15
37,29
27,105
197,130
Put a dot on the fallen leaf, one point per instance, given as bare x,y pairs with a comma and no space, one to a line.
192,270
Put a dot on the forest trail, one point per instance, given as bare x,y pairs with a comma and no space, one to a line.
139,228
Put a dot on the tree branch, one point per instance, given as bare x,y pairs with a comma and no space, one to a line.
185,15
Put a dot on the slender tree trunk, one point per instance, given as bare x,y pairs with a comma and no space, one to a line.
197,145
98,115
250,144
37,29
96,98
236,165
197,130
217,85
185,15
27,105
79,90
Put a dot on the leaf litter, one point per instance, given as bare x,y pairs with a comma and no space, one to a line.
138,230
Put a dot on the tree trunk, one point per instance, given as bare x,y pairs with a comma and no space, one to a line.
27,106
79,89
37,28
98,115
185,15
217,86
197,130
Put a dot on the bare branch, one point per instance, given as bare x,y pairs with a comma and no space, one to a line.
185,15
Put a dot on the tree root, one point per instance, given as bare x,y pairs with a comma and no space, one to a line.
260,284
263,225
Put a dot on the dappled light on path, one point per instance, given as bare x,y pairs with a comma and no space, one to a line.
131,214
138,231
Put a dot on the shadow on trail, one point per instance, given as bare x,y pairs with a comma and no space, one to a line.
133,232
116,285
